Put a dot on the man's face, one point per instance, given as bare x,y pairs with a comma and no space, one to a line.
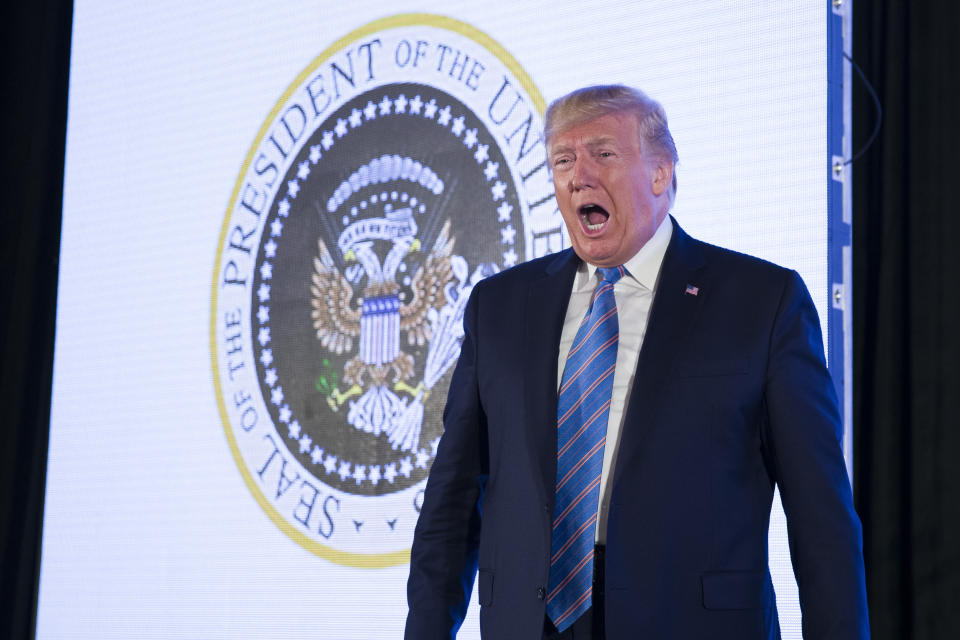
612,198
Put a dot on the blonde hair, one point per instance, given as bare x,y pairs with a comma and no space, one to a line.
597,101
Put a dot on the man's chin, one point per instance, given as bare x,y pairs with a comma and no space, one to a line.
598,256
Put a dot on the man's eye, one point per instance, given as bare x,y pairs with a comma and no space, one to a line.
606,154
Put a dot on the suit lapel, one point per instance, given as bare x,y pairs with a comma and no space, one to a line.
546,308
671,317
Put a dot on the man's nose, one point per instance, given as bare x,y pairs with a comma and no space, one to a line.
582,176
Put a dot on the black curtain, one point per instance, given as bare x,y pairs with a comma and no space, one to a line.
906,228
36,53
906,311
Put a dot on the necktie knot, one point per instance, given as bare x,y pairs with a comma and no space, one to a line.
611,274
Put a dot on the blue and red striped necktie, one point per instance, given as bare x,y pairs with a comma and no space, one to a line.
582,409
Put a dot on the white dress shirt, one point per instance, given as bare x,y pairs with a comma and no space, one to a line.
634,295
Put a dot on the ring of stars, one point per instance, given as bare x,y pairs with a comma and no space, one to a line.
388,105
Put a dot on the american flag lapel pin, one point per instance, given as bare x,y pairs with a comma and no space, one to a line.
692,290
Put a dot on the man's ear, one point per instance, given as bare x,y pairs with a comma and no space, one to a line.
661,177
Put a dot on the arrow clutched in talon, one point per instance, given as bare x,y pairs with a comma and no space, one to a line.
403,386
337,398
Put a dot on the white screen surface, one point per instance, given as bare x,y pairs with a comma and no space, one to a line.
152,527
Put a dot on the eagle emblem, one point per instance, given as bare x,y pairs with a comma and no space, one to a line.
381,394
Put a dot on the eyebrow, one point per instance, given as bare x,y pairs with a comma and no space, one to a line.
590,144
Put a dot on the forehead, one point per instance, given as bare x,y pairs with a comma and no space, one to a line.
612,128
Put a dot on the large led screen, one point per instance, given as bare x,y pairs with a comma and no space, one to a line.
273,215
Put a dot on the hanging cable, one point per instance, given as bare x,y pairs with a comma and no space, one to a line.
876,103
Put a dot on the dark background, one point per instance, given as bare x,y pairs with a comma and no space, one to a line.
906,322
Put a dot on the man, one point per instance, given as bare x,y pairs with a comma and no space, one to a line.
686,379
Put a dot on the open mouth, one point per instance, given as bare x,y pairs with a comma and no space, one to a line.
593,217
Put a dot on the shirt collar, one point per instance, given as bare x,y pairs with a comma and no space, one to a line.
643,267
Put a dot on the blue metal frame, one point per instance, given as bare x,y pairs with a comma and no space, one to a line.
839,230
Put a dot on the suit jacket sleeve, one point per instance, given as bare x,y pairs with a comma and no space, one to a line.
804,433
443,559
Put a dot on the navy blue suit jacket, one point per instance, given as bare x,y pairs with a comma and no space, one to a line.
731,395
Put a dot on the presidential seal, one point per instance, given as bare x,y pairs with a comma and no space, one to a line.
402,166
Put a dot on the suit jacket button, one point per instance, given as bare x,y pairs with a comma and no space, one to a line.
541,593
